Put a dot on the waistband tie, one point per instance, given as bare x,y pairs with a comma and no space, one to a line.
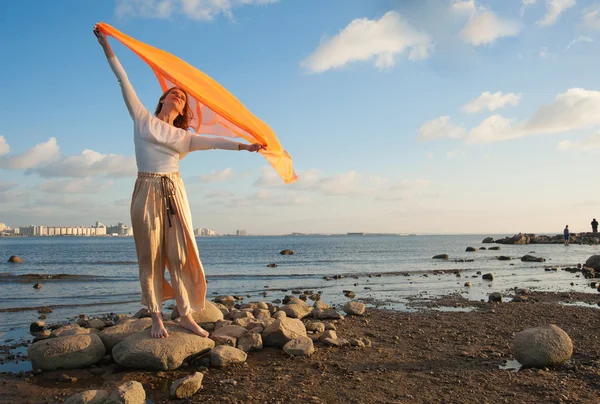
168,191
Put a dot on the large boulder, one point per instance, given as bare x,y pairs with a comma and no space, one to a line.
223,355
329,314
70,352
228,335
71,329
542,346
471,249
128,393
89,397
250,342
141,351
593,262
488,240
283,330
111,336
355,308
186,386
294,310
210,314
15,259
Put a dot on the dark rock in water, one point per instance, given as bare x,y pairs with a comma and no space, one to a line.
296,292
495,297
471,249
503,258
302,297
287,299
350,294
37,286
45,310
272,265
495,248
287,252
478,272
593,262
277,301
338,276
441,257
314,297
467,284
15,259
37,326
488,240
483,248
489,277
531,258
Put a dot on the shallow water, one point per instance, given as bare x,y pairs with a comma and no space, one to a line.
100,275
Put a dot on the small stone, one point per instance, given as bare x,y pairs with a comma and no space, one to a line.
302,346
15,259
287,252
250,342
89,397
37,326
37,286
131,392
63,378
224,355
186,386
354,308
495,297
349,294
315,327
489,277
467,284
330,326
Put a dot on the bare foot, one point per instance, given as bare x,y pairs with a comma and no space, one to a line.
188,322
158,329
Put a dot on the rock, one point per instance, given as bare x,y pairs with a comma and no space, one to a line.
272,265
128,393
111,336
482,248
261,312
250,342
71,329
228,335
142,313
359,343
223,355
471,249
338,342
349,294
441,257
315,327
37,326
242,314
227,301
287,252
354,308
314,297
70,352
320,305
302,346
531,258
468,284
186,386
503,258
495,297
329,314
247,323
495,248
328,334
65,378
593,262
15,259
296,310
141,351
542,346
88,397
210,314
488,240
97,324
282,331
37,286
489,277
279,314
330,326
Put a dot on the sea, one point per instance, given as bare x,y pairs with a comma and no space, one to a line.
97,275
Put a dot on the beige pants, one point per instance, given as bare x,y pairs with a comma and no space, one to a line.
165,238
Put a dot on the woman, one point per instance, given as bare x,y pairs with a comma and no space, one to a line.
160,213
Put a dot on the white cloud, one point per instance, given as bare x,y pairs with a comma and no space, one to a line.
268,197
88,164
441,127
581,38
408,185
218,194
455,154
492,102
546,54
463,6
574,109
589,143
485,27
200,10
591,18
525,4
554,8
74,186
5,186
38,155
218,175
4,147
363,39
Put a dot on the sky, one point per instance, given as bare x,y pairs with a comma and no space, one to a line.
401,116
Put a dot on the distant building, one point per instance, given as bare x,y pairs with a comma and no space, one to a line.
241,232
205,232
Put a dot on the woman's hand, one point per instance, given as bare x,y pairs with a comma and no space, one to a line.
255,147
101,37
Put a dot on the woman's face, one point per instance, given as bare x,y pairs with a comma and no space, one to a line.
176,99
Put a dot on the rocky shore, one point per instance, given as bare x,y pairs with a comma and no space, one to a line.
528,238
464,354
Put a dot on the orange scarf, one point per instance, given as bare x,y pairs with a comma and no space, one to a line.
217,111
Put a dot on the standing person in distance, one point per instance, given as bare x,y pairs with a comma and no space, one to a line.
160,213
566,234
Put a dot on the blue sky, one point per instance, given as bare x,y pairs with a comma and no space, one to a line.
429,116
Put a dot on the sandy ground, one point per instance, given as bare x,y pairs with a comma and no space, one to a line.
428,356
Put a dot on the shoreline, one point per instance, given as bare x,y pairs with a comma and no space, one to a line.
421,356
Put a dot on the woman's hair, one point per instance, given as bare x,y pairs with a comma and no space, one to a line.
183,120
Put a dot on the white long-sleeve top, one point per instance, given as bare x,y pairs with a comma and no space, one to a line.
158,145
